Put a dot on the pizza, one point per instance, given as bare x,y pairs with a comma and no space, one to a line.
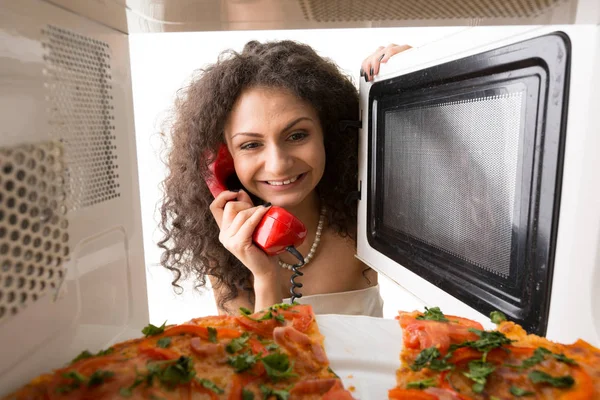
274,354
449,357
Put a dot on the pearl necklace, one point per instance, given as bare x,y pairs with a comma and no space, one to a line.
314,246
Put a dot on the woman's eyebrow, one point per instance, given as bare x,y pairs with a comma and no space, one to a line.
251,134
294,122
286,128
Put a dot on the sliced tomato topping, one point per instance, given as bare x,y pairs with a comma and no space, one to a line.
337,392
313,386
204,349
89,365
469,323
261,328
495,356
198,388
157,353
238,382
197,330
446,394
257,347
422,334
583,387
301,316
410,394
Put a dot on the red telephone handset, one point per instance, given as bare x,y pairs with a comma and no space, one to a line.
278,230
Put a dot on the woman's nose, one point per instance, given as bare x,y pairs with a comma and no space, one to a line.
277,161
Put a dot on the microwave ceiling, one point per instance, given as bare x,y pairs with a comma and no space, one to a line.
139,16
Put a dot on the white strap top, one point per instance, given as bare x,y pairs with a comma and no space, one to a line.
355,302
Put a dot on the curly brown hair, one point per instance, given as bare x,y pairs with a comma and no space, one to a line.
191,236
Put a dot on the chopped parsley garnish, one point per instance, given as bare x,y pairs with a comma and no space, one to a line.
237,344
440,365
86,354
105,352
242,362
164,342
333,372
247,395
433,314
210,385
172,372
82,356
169,373
279,318
424,384
430,358
478,373
518,392
266,316
139,378
268,392
562,358
497,317
565,381
76,378
539,355
282,306
425,357
151,330
277,366
488,340
212,335
271,347
245,311
99,376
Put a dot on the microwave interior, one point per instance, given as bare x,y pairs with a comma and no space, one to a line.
464,174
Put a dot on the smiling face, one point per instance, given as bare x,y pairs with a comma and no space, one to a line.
276,141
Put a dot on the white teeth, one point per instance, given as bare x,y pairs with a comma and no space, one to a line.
281,183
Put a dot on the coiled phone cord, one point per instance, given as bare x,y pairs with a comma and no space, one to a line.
297,273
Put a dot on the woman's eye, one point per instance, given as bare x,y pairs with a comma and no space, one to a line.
297,136
249,146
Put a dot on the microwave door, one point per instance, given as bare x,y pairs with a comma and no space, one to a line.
462,164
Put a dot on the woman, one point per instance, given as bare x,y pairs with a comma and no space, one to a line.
277,106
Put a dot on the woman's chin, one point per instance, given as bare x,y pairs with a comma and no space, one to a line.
288,201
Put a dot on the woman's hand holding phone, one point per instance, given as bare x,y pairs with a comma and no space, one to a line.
237,218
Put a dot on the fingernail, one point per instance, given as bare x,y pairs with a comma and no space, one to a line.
371,71
366,78
267,204
381,58
362,72
235,190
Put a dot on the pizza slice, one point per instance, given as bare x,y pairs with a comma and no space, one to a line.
448,357
275,354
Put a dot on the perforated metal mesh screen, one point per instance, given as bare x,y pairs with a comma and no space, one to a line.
79,94
76,167
33,224
381,10
452,170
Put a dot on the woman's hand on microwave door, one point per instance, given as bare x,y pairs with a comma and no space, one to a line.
370,65
237,219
